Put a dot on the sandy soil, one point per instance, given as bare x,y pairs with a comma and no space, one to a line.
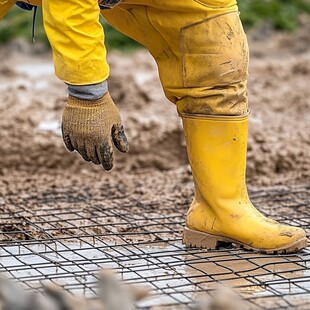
33,158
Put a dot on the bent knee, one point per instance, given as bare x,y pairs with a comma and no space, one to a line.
214,52
227,100
215,61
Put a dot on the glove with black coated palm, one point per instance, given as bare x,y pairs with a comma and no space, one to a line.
91,127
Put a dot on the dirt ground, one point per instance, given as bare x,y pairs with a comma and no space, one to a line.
33,158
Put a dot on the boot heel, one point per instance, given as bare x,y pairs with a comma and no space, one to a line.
194,238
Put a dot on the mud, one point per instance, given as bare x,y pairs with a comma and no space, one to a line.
33,159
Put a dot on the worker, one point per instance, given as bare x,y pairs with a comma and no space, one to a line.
202,56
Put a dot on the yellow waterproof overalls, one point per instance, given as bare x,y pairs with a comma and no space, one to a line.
202,56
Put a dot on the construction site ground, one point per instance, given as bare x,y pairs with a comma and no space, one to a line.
63,219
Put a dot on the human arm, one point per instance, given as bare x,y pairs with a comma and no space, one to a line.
90,124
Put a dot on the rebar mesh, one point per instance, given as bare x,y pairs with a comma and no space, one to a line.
60,240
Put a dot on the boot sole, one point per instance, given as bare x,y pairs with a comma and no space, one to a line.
195,238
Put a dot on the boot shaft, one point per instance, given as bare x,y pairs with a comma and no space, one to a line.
217,148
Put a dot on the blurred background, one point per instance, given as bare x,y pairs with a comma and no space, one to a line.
32,100
49,193
280,14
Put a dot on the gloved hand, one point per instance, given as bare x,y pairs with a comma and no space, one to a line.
90,126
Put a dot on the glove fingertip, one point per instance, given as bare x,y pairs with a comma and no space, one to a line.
67,140
119,138
83,153
106,156
122,146
107,167
68,143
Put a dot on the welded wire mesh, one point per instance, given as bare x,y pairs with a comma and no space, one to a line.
60,240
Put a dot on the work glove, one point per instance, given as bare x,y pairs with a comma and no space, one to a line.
90,127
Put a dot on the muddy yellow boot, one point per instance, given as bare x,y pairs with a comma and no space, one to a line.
221,210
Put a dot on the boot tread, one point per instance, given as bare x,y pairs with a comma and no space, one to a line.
195,238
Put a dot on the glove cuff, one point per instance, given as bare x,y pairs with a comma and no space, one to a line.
76,102
88,92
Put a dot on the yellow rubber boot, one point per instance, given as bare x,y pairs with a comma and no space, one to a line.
221,210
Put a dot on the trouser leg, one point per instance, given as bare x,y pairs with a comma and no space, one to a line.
202,56
201,52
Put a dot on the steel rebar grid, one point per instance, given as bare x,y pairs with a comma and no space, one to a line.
60,241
